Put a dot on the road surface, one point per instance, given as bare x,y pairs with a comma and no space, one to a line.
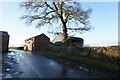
22,64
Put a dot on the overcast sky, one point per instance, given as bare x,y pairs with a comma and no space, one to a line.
104,19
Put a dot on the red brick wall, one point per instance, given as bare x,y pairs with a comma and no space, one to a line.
41,42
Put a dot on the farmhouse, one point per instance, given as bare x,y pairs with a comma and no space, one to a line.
4,41
36,42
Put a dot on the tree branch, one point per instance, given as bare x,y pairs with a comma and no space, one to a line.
79,29
49,6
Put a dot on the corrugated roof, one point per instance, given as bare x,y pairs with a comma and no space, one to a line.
3,33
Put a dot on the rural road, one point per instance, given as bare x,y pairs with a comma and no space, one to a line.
21,64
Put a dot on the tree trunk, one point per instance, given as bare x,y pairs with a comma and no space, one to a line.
64,33
64,27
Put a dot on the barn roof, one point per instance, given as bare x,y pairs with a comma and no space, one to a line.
38,35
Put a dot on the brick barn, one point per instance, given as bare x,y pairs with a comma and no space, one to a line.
36,42
4,41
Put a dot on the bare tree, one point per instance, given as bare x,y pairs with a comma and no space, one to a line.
68,14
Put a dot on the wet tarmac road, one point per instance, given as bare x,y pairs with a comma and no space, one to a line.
21,64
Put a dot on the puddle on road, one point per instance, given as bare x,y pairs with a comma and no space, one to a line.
11,75
9,66
11,54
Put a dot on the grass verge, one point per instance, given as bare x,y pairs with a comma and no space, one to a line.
83,59
17,48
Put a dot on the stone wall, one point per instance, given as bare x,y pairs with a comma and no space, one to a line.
105,54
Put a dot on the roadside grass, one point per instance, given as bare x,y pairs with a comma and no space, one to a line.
82,59
17,48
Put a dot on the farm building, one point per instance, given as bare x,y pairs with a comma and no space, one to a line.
75,41
37,42
4,41
72,41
